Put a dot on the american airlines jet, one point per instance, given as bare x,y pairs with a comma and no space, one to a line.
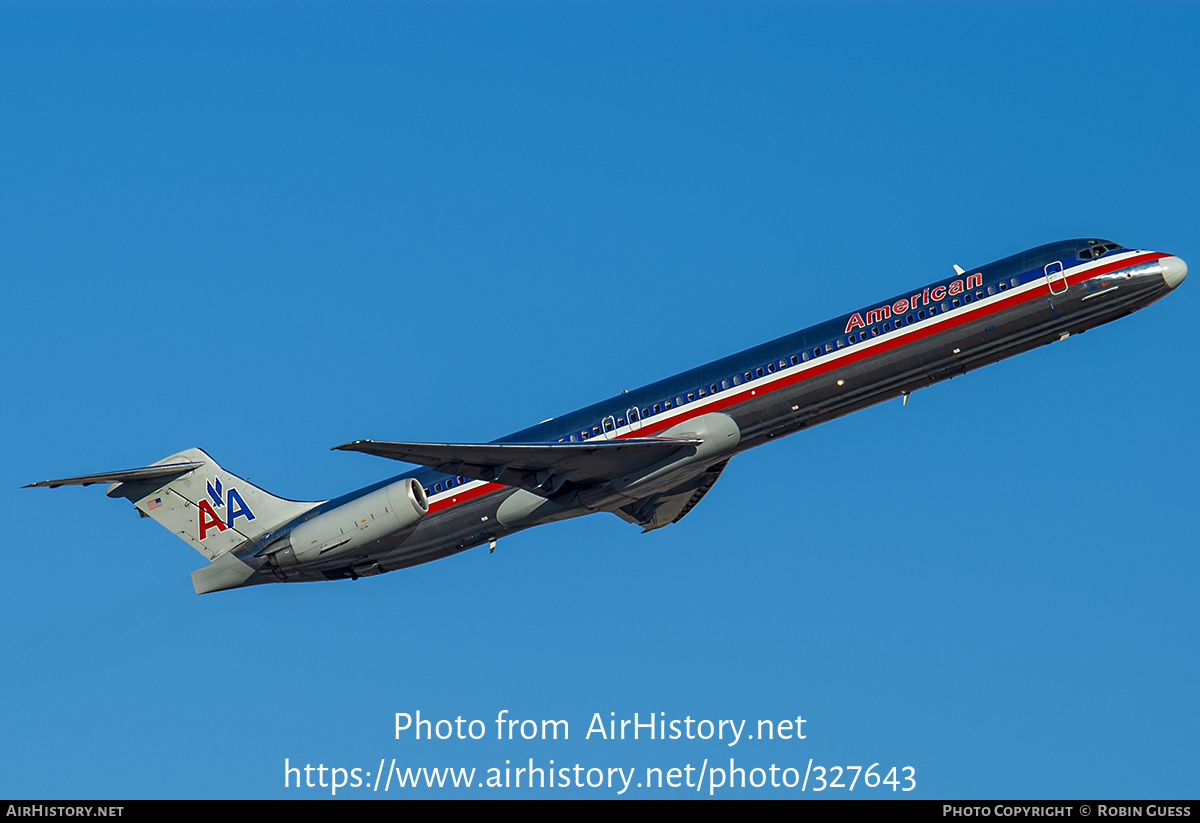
650,455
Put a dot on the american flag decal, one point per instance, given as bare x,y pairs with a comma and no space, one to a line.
154,504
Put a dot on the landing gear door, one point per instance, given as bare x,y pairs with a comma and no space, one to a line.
1056,278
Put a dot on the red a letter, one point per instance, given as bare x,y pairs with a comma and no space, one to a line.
209,519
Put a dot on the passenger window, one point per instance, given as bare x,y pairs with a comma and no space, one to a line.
795,360
724,384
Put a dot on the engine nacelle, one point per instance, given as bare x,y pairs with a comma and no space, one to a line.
353,525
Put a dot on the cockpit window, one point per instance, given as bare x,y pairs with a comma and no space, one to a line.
1098,248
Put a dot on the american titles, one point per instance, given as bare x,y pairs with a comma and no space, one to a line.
922,298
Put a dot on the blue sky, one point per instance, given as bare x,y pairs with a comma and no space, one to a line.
266,229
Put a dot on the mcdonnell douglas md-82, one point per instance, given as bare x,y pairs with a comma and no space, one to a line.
649,455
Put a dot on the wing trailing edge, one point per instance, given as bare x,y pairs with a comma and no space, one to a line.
671,506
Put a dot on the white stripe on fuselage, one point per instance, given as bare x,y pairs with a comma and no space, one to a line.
758,386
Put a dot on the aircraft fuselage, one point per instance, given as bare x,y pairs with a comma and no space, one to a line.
649,455
877,353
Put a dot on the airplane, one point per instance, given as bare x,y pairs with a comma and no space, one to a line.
648,456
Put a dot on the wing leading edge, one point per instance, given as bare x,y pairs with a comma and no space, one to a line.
542,468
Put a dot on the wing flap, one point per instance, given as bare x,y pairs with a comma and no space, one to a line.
660,510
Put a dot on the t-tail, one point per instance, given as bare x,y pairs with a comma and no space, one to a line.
207,507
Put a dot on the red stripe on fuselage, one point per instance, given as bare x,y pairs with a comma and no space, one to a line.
919,331
464,496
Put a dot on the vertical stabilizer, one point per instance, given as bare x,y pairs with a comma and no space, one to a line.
206,506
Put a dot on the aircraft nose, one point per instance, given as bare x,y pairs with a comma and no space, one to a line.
1173,270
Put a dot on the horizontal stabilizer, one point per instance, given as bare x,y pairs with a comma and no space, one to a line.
542,468
125,476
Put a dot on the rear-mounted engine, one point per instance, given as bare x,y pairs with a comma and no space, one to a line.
365,520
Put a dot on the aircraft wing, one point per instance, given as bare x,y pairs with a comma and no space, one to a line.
542,468
660,510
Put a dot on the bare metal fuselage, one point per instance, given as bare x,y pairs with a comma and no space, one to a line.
650,455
